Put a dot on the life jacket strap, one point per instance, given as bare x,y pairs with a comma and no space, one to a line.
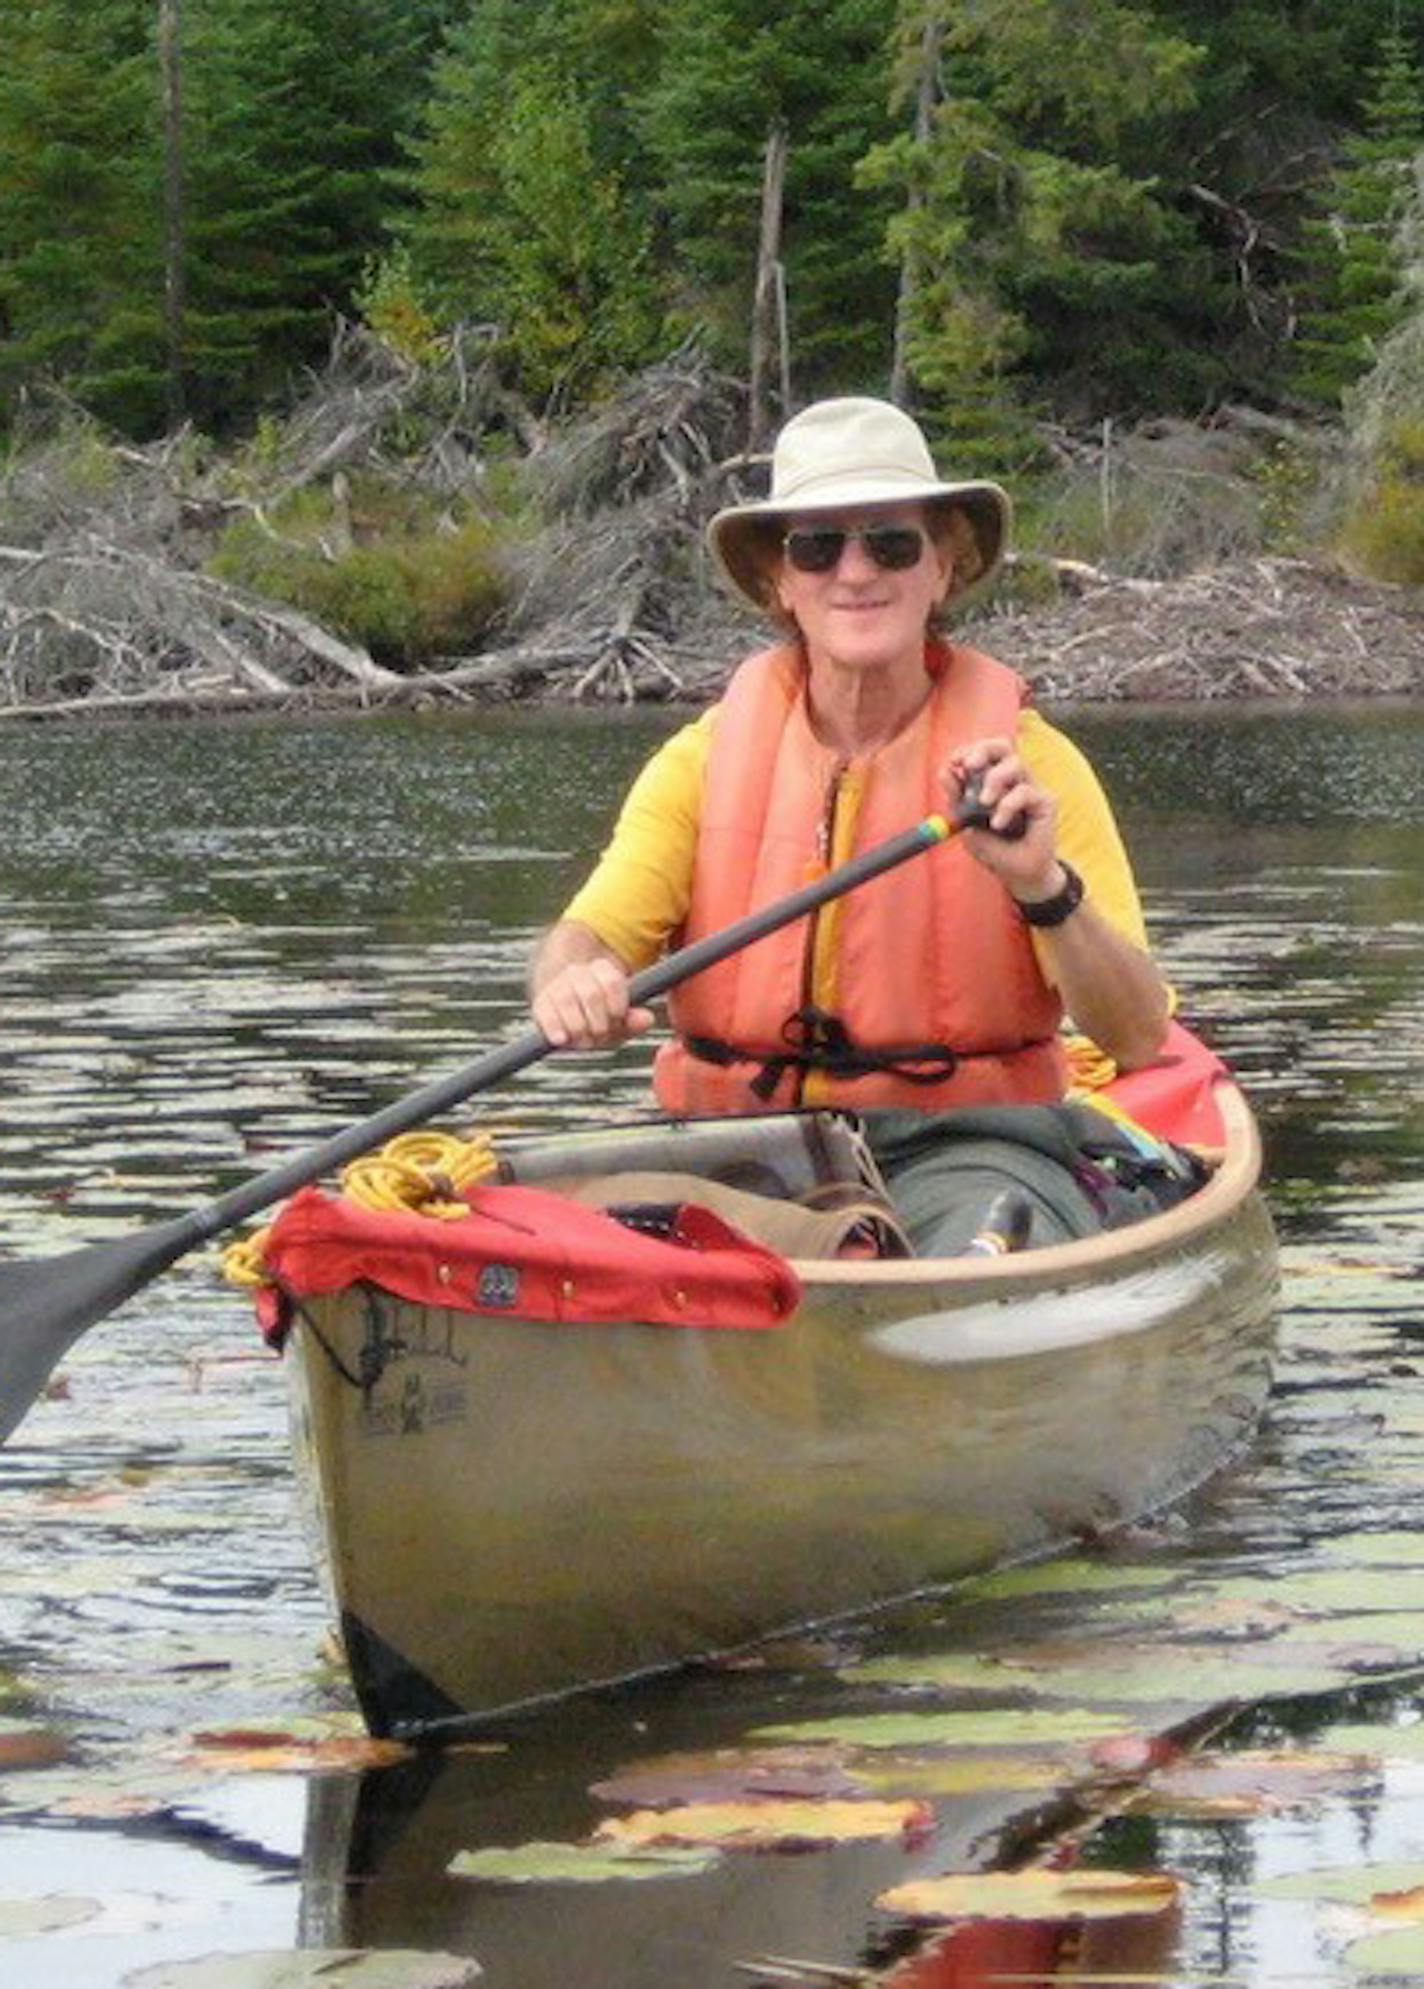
817,1040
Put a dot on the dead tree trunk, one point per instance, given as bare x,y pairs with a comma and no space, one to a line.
768,309
927,93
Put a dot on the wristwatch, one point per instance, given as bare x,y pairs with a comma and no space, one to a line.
1053,911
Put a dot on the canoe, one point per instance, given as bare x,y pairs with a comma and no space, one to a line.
532,1471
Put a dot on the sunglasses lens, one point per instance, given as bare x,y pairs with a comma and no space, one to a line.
814,552
895,547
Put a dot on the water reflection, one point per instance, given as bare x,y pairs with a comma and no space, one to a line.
224,942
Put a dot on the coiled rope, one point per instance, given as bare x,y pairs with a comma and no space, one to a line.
423,1172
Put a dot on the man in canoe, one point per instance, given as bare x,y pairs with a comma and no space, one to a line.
937,989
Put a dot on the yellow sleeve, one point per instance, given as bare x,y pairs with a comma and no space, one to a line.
1088,835
638,893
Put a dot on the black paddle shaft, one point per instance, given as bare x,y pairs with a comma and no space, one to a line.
46,1304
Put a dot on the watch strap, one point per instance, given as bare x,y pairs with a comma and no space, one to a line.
1052,911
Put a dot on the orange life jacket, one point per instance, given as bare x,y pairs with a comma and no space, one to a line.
930,995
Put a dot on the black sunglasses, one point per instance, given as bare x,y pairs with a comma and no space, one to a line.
818,548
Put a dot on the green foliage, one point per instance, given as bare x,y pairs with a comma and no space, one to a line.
1042,248
1383,535
79,252
523,222
1108,213
729,70
288,153
1288,480
1352,267
408,588
393,303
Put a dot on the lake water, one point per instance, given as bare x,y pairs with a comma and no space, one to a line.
224,941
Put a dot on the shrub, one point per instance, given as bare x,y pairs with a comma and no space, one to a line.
1383,531
405,584
1383,535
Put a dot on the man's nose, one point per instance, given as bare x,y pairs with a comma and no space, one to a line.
855,562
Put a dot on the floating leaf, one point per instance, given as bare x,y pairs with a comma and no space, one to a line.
966,1774
1399,1952
1231,1616
1072,1577
258,1752
1379,1550
769,1825
29,1747
1405,1905
1250,1783
1102,1674
1349,1885
1381,1743
312,1968
579,1864
995,1728
24,1919
1339,1591
100,1794
732,1775
1034,1895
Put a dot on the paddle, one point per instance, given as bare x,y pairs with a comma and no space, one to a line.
47,1304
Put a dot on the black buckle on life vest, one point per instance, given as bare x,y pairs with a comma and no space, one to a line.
818,1040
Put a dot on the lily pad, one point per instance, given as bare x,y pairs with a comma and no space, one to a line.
770,1825
733,1775
24,1919
29,1747
580,1864
964,1774
312,1968
1348,1885
1378,1550
1108,1675
101,1794
997,1727
1400,1951
1381,1743
1251,1783
1341,1591
1034,1895
1072,1577
259,1752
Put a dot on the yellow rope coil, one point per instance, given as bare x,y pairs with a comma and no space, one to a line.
424,1172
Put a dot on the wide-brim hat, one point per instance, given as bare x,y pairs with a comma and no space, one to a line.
842,454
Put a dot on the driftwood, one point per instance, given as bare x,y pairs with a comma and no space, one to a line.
106,604
1260,628
97,626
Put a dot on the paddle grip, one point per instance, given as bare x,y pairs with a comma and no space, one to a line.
971,811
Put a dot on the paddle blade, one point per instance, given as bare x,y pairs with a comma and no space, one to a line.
45,1305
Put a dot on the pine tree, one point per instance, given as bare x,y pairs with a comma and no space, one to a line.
1350,245
731,72
80,256
293,115
1049,256
525,218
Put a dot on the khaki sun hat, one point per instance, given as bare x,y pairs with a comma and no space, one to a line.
845,453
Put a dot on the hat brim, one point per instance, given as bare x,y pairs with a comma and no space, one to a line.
743,538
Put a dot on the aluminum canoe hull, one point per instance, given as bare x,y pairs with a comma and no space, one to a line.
516,1511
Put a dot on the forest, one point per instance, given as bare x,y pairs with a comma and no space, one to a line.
344,349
